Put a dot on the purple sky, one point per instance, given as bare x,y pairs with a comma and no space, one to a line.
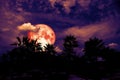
82,18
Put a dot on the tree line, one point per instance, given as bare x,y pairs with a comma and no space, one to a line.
28,57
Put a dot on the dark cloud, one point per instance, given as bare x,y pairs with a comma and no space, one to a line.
117,4
89,10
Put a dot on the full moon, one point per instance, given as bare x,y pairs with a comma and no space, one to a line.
43,34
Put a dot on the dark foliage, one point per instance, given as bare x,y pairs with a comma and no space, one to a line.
69,44
28,61
93,49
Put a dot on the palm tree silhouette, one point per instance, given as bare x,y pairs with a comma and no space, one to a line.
93,48
18,43
50,49
93,51
31,45
69,44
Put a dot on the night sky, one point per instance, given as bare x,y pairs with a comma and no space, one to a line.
82,18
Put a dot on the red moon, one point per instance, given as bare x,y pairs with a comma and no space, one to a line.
43,34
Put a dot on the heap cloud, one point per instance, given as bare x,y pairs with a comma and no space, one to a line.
26,26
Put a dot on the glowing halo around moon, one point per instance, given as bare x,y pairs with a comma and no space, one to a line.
43,34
